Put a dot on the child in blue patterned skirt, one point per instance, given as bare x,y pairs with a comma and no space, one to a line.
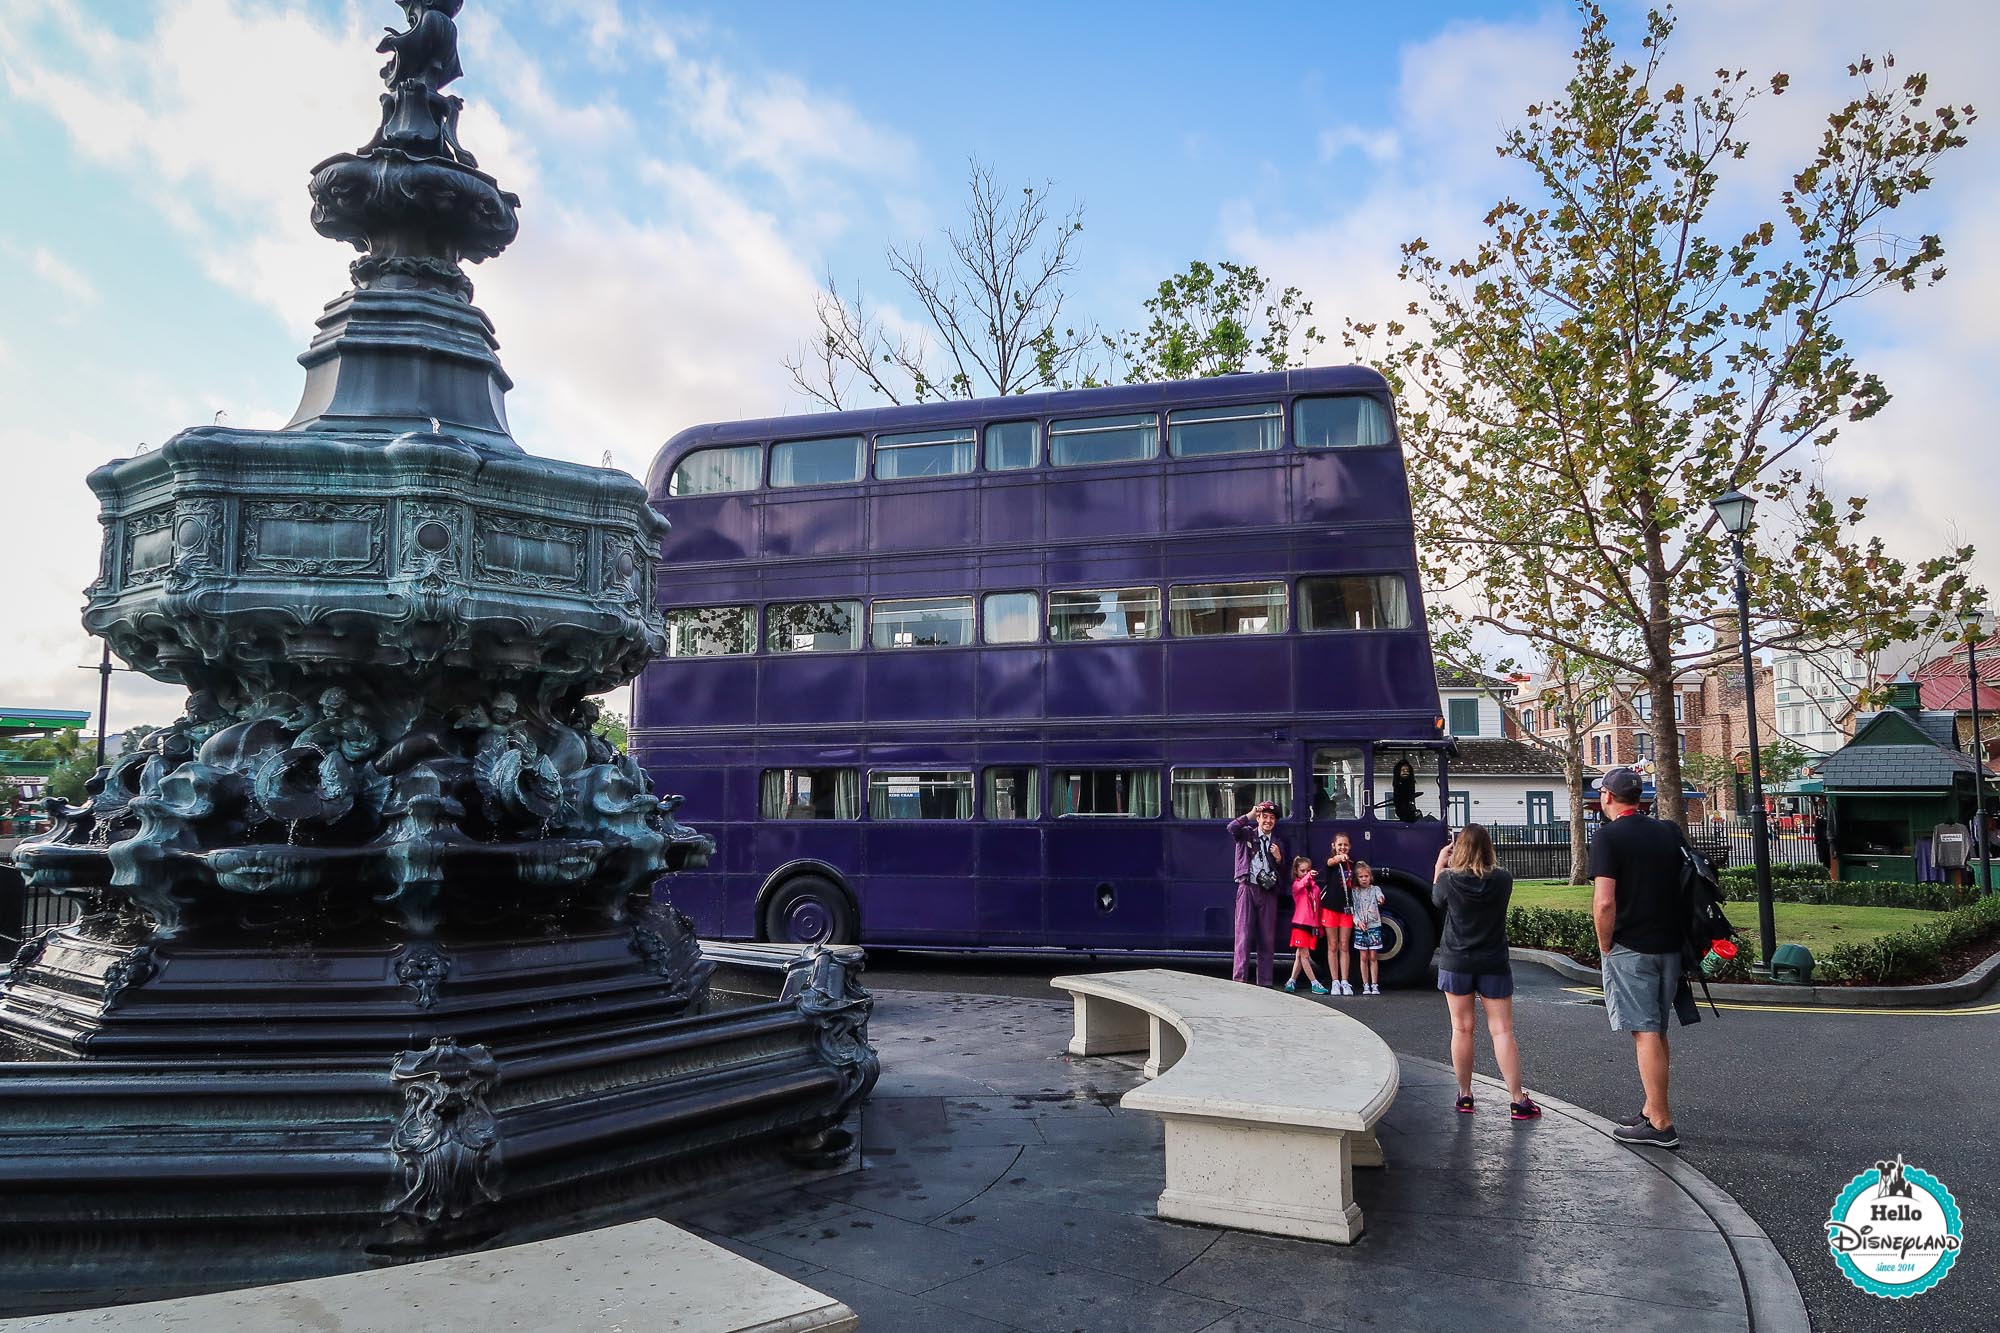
1367,909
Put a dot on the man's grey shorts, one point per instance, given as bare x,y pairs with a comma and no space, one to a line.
1639,989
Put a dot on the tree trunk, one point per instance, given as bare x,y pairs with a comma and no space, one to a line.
1579,846
1659,678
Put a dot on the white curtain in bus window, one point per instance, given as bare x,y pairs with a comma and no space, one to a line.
1126,439
716,471
810,793
812,627
1351,422
816,462
1338,792
1095,615
1224,793
1133,793
1010,445
920,795
1247,428
1354,601
1012,793
711,631
1011,617
924,622
1406,796
924,453
1228,608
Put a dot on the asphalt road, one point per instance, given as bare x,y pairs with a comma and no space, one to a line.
1780,1109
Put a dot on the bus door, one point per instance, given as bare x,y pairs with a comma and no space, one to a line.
1105,861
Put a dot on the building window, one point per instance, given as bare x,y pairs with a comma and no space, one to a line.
1198,431
1011,445
1354,601
1013,793
1458,809
1642,705
920,795
711,631
1085,615
1642,745
1228,608
1680,707
1350,422
1541,807
717,471
1528,720
924,622
1131,793
1011,617
1128,439
1463,715
1600,709
812,627
1225,793
816,462
1337,783
810,793
924,453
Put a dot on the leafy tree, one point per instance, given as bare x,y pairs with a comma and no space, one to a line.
990,315
1780,761
1710,773
1216,320
135,737
60,746
67,782
611,729
1607,362
10,795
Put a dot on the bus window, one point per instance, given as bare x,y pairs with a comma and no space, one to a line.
924,453
711,631
1133,793
810,793
920,795
717,471
1011,617
1251,428
1012,793
1228,608
1406,784
1353,421
1111,613
1104,440
812,627
1224,793
1338,790
1354,601
1012,444
816,462
926,622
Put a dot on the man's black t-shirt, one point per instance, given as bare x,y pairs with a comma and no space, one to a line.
1644,855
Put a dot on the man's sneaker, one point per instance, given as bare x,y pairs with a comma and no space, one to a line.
1525,1109
1644,1134
1464,1106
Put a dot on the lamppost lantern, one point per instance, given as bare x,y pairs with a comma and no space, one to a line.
1735,509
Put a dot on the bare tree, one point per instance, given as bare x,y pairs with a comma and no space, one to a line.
990,315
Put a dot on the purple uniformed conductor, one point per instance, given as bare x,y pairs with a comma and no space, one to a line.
1260,865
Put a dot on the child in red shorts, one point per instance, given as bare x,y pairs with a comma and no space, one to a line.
1305,923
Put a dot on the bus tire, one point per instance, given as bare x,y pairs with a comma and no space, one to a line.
810,909
1409,938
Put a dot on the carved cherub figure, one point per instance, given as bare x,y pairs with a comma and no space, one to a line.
416,117
341,727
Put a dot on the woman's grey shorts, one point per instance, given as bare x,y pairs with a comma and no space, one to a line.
1639,988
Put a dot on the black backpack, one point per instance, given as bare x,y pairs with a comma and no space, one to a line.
1702,920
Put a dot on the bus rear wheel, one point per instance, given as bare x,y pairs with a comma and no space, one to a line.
1408,938
809,909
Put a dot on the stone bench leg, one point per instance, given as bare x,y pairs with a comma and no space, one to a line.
1165,1046
1261,1177
1105,1027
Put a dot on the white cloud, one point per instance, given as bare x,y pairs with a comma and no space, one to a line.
62,276
1376,145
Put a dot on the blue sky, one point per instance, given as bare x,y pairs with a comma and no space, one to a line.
691,172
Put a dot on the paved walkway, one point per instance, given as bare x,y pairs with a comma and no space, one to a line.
1002,1188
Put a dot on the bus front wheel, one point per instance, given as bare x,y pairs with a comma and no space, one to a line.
809,909
1408,938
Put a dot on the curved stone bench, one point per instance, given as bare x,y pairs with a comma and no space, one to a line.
1270,1101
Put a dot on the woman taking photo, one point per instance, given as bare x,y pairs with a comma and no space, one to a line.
1473,891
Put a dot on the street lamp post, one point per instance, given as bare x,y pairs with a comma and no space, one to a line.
1979,626
1734,510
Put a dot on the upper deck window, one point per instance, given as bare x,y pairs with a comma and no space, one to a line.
1099,614
1244,429
924,622
1012,444
816,462
711,631
1351,421
1225,793
920,795
1354,601
1228,608
717,471
812,627
810,793
924,453
1012,617
1131,792
1013,793
1104,440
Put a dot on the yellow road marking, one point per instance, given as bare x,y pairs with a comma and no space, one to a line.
1597,993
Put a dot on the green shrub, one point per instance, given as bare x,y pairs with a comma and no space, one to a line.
1822,892
1912,954
1785,872
1564,930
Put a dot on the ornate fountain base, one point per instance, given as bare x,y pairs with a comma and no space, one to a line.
246,1116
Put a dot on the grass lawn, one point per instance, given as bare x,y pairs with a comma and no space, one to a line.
1818,928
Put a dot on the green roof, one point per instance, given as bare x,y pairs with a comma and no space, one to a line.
35,721
1893,768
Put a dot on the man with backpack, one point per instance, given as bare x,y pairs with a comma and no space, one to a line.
1636,865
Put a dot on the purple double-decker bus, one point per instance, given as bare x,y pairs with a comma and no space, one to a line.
994,673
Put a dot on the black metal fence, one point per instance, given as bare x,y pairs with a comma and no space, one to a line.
1541,851
24,913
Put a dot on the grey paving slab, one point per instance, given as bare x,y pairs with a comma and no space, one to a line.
1141,1247
1530,1194
748,1214
1257,1321
888,1251
891,1311
1044,1296
920,1181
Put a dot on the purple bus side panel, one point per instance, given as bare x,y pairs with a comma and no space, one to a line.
726,530
1222,496
1010,514
1082,505
1229,675
814,527
1010,684
1106,680
808,688
923,517
919,683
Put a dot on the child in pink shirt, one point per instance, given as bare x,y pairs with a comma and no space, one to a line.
1305,923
